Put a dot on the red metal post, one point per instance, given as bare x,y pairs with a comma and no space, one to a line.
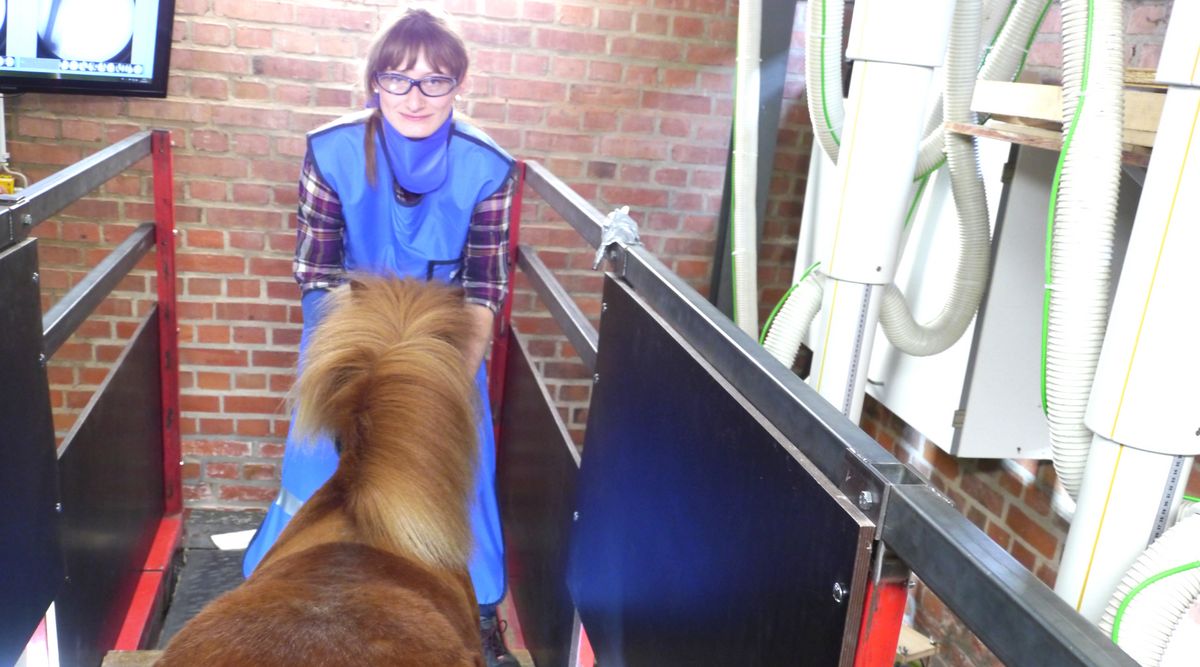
584,655
168,325
883,614
150,595
499,356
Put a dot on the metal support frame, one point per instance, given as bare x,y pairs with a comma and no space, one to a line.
64,317
168,323
57,191
1005,605
18,216
566,313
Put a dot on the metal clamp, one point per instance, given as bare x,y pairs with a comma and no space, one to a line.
620,229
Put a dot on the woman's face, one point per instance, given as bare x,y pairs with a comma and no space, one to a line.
414,114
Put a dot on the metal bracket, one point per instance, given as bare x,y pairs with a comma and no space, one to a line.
866,492
885,566
618,232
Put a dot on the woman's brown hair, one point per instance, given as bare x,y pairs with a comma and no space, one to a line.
397,47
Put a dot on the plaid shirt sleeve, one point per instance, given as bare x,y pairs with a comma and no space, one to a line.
485,264
319,261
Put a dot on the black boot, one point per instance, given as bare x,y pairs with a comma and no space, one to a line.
491,629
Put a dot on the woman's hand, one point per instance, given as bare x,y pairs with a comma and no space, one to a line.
482,319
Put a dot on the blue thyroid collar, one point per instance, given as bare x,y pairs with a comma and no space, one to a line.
418,165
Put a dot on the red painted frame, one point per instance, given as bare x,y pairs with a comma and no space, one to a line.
151,590
879,632
168,324
150,594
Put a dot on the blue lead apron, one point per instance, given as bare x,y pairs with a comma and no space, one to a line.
425,240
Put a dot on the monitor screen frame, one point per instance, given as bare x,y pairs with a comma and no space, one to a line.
156,86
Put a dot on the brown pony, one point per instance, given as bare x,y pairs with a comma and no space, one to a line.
373,568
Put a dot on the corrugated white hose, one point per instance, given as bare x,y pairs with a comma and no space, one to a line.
791,323
933,118
1001,63
970,199
745,168
1080,267
1156,594
823,72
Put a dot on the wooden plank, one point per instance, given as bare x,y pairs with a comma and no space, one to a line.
148,658
1039,137
914,646
131,658
1143,77
1031,100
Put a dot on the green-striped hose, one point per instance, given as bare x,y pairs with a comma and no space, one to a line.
1054,184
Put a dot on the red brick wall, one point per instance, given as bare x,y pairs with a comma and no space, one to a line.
628,102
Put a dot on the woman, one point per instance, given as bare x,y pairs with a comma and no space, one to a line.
404,188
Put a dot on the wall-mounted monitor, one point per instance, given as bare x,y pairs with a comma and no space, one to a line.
97,47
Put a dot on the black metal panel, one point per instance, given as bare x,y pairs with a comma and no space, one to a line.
31,568
1021,620
111,470
838,448
703,537
536,475
65,316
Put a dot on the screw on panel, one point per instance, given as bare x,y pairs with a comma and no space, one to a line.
42,360
604,307
36,277
575,516
595,378
839,592
58,507
866,500
27,220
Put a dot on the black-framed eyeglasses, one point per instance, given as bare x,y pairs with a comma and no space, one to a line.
434,85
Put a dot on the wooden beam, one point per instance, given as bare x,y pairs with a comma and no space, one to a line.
1041,102
1040,137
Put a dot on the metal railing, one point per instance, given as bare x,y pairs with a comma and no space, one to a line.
1011,611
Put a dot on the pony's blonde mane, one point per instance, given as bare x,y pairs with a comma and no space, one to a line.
384,374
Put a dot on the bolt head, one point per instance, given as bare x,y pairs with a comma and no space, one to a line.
866,500
839,592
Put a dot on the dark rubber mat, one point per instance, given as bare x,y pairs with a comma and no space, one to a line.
201,525
207,572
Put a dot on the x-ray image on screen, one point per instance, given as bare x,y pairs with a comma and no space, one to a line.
114,47
97,31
